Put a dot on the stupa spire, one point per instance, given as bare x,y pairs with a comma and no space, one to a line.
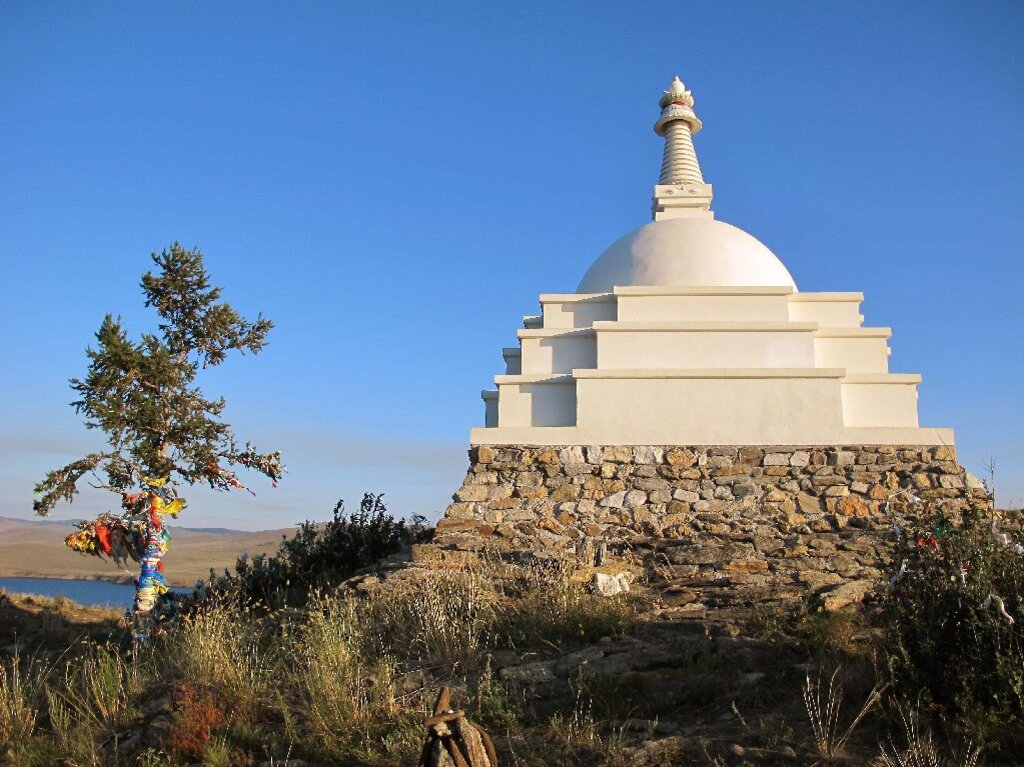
681,190
678,124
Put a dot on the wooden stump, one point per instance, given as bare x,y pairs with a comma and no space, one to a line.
454,741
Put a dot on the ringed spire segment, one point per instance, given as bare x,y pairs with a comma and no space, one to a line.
680,191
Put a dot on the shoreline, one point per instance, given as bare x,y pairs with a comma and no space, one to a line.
121,579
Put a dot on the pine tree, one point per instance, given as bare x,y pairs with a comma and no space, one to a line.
162,431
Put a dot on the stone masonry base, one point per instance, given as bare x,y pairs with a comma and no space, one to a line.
716,520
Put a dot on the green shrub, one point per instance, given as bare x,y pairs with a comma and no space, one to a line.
955,626
319,556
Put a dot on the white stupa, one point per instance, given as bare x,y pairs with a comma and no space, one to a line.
690,331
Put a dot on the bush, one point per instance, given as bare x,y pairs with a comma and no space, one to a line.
319,556
955,623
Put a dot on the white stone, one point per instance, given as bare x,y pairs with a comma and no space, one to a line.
800,458
614,501
845,458
610,585
648,455
635,498
569,455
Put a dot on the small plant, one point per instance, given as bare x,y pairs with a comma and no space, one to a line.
198,716
823,715
220,647
100,688
20,684
922,751
347,680
954,614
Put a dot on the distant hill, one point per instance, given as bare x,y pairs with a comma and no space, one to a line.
36,548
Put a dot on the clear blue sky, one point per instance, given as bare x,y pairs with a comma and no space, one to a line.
395,183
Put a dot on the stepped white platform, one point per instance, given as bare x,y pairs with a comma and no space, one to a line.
718,365
689,331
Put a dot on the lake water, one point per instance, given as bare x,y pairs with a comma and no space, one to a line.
84,592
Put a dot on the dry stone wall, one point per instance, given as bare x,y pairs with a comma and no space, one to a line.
778,518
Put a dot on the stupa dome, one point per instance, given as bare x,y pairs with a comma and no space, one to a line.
686,252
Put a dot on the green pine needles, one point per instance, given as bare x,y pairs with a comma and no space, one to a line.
144,396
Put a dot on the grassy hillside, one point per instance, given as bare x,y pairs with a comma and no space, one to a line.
36,549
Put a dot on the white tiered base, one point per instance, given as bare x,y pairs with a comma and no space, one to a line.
702,366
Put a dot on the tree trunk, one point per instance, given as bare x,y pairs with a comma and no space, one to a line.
151,582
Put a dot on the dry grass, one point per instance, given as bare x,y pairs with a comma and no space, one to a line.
921,750
823,713
22,688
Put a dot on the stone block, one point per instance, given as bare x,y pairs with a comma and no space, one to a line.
852,506
482,478
529,479
652,483
484,454
547,455
646,454
565,493
745,566
749,456
742,489
679,456
461,511
846,594
614,501
573,454
800,458
594,454
499,492
618,454
808,504
921,480
720,462
842,458
469,493
634,498
777,459
678,507
532,492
